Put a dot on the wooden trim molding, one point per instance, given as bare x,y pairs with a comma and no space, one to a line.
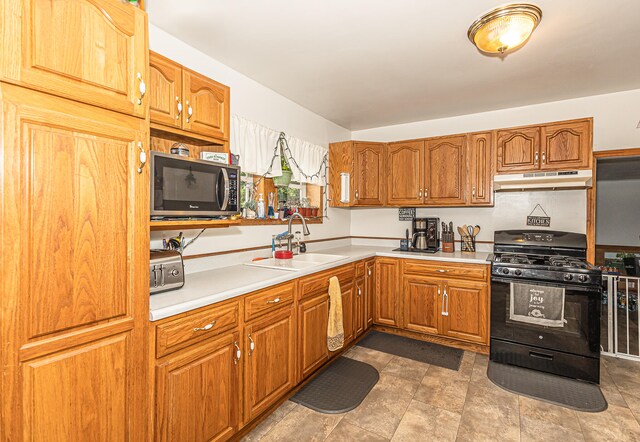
591,195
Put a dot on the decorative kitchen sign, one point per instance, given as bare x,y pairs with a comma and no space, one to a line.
406,213
216,157
539,221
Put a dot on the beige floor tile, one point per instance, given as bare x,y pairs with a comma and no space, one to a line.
443,388
348,432
634,405
303,424
545,413
625,375
614,424
266,425
406,368
374,358
532,430
466,366
423,420
385,405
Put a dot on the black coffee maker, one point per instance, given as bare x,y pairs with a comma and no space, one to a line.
425,236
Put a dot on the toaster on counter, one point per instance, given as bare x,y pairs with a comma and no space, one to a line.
166,271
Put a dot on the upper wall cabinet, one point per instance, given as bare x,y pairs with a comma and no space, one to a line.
364,166
183,99
93,51
445,171
405,165
479,163
564,145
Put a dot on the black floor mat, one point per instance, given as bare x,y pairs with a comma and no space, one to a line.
341,387
434,354
558,390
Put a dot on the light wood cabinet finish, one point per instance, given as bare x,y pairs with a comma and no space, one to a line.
270,345
518,149
440,269
359,307
445,171
166,105
313,317
405,170
466,305
74,299
421,304
566,145
369,291
268,300
92,51
313,284
206,105
369,174
387,288
348,300
479,159
198,392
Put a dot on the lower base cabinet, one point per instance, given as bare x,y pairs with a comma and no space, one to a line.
269,370
198,392
313,317
421,312
467,308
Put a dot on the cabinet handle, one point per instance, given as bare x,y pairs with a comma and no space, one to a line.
426,194
252,345
356,194
369,272
142,157
442,271
445,296
189,111
544,157
274,301
142,87
359,292
205,327
439,291
420,194
238,353
179,106
537,157
473,191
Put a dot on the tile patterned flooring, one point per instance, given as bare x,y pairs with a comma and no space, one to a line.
414,401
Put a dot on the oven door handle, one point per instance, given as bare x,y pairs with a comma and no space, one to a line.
225,200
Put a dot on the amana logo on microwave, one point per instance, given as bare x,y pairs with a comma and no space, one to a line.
191,206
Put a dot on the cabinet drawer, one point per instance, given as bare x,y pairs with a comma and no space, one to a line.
320,282
446,269
359,269
196,327
268,300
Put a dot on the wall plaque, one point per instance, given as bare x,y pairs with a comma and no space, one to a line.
539,221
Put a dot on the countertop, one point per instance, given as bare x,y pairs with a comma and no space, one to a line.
211,286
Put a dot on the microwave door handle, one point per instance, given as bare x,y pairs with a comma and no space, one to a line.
225,202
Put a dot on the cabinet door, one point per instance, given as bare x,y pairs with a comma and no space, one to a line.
269,362
387,281
566,145
465,311
198,393
445,172
165,91
75,307
359,308
313,316
206,105
369,291
421,304
518,150
348,307
480,148
93,51
405,169
369,174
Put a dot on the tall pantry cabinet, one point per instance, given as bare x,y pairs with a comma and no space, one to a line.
74,192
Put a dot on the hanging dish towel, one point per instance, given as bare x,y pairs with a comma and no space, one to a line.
335,328
537,304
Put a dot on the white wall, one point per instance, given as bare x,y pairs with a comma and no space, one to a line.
618,212
262,105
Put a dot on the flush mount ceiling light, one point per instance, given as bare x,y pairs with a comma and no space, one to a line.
505,28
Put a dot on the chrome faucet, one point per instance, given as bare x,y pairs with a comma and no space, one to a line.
290,235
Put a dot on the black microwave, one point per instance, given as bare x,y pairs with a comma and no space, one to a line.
185,187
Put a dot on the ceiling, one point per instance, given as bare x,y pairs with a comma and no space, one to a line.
371,63
618,169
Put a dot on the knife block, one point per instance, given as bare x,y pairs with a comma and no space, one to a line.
448,245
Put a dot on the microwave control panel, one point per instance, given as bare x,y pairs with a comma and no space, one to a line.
234,179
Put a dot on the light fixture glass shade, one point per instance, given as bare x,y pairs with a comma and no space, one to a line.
505,28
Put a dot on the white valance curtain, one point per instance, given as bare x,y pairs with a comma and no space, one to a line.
256,146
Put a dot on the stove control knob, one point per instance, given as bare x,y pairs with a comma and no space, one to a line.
568,277
583,278
505,271
518,272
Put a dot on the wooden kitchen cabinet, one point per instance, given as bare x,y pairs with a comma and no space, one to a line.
369,291
365,164
198,392
183,99
359,320
518,150
93,51
465,311
566,145
348,300
387,305
313,317
75,307
479,160
421,304
270,347
445,174
405,170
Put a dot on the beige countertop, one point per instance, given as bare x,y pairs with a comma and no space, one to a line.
211,286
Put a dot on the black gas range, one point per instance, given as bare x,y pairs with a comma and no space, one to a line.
545,303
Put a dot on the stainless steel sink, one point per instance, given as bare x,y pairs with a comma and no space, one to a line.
298,262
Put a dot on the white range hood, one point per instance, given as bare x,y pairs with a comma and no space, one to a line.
571,179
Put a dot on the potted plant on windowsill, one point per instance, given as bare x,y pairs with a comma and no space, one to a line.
285,179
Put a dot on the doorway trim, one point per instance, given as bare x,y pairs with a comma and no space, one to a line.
591,196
